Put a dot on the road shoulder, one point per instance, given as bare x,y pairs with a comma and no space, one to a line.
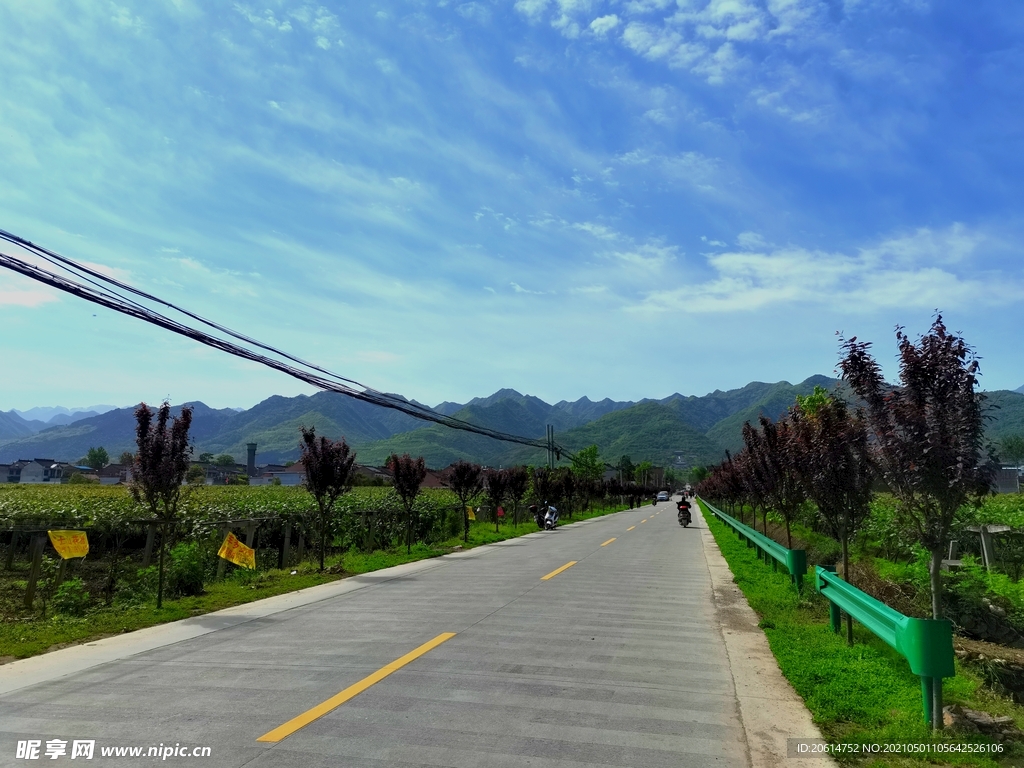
770,710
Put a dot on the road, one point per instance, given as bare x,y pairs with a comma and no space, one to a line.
617,660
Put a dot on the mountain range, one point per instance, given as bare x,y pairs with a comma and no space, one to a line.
679,429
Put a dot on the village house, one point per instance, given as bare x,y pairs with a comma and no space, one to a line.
36,471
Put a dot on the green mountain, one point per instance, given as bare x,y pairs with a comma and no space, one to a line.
696,429
648,431
773,401
1006,414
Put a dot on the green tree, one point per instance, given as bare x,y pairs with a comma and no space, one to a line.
224,460
126,459
698,474
587,464
1011,449
207,458
196,475
97,458
642,472
626,469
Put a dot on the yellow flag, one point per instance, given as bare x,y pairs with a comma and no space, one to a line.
70,543
471,513
236,552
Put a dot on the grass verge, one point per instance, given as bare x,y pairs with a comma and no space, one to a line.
21,638
860,694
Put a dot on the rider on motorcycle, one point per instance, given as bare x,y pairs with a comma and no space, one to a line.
683,507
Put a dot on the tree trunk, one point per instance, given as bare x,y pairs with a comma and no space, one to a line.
408,531
846,576
323,540
789,536
160,578
465,527
108,590
935,577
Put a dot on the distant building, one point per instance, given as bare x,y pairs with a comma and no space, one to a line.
1007,480
33,471
114,474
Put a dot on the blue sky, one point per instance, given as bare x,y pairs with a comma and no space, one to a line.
621,198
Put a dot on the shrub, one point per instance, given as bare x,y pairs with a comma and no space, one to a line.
71,598
187,571
137,588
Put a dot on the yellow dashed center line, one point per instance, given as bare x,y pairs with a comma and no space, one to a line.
283,731
608,542
643,521
631,528
557,571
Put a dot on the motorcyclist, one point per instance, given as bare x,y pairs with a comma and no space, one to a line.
683,507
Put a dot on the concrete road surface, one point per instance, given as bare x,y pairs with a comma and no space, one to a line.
621,659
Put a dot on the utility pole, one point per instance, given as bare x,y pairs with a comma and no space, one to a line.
551,446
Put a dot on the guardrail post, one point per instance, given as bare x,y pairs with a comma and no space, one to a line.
926,644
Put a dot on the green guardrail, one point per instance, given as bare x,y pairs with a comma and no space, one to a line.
795,560
927,644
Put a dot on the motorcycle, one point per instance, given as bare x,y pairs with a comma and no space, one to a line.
684,514
550,519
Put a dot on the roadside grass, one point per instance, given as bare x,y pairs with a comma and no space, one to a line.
860,694
22,637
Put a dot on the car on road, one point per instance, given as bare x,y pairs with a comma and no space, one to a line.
662,495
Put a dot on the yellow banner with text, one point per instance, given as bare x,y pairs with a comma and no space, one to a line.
70,544
236,552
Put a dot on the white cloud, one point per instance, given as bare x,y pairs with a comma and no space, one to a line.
267,19
474,11
599,231
750,241
648,256
693,168
11,296
532,9
519,289
719,65
602,25
950,246
658,116
404,184
567,26
898,273
386,66
323,42
637,7
123,18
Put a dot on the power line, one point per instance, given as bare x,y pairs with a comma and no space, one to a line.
95,287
